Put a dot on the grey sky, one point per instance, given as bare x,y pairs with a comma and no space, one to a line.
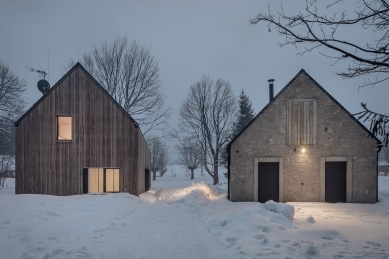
188,38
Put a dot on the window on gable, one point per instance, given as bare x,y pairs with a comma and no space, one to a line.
64,128
302,122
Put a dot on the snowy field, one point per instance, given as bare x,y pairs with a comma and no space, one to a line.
180,218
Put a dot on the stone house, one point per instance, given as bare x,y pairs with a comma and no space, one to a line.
303,146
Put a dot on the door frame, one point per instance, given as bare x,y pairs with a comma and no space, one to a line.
349,173
280,161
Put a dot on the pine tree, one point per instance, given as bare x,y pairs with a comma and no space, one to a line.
245,115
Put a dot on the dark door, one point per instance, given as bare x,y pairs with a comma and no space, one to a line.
147,179
85,181
268,181
335,182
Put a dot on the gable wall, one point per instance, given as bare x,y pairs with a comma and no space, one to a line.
267,137
102,136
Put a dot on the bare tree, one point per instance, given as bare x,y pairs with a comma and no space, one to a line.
324,30
7,163
189,154
384,154
159,156
208,113
12,104
131,75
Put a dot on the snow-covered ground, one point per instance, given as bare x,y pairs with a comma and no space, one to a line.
180,218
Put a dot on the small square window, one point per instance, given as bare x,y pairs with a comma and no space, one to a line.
64,128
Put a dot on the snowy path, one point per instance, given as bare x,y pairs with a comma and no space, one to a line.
168,231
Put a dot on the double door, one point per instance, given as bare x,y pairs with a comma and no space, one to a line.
98,180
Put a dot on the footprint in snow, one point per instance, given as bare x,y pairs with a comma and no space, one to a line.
259,237
374,244
231,240
265,229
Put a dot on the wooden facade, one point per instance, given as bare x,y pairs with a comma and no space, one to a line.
103,135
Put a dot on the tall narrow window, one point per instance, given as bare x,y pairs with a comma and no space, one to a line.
302,122
64,128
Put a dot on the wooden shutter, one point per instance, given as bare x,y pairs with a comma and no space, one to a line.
302,122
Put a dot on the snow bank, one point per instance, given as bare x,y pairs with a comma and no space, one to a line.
286,209
196,192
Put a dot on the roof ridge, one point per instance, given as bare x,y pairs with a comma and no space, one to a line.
321,88
78,64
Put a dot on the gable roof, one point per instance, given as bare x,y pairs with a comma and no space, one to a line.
58,83
302,71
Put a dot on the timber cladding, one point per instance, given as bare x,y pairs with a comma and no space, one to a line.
103,135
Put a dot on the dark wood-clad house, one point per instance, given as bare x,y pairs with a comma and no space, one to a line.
77,139
303,146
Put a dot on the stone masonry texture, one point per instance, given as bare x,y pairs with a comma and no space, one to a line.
337,135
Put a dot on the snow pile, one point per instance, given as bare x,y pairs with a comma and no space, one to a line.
310,220
196,192
286,209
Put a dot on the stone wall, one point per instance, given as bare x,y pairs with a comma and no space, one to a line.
338,135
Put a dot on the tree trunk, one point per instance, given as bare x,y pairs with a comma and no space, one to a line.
154,175
215,173
191,173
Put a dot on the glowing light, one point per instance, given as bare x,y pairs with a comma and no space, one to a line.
303,150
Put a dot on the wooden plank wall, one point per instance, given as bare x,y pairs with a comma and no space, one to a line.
302,122
144,161
102,136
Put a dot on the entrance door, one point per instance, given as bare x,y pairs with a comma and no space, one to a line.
95,179
268,181
111,180
335,182
147,179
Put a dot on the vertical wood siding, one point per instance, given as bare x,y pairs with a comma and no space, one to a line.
102,136
302,122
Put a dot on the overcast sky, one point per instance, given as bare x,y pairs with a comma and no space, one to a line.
188,38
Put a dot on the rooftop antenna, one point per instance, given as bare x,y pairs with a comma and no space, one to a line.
42,85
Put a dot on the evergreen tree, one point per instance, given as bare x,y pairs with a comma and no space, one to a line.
245,115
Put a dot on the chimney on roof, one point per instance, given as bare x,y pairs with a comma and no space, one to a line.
271,89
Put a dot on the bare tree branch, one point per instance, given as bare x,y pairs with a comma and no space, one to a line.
321,30
12,104
313,27
159,155
190,153
208,113
131,75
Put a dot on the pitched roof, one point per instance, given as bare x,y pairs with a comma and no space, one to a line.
302,71
58,83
